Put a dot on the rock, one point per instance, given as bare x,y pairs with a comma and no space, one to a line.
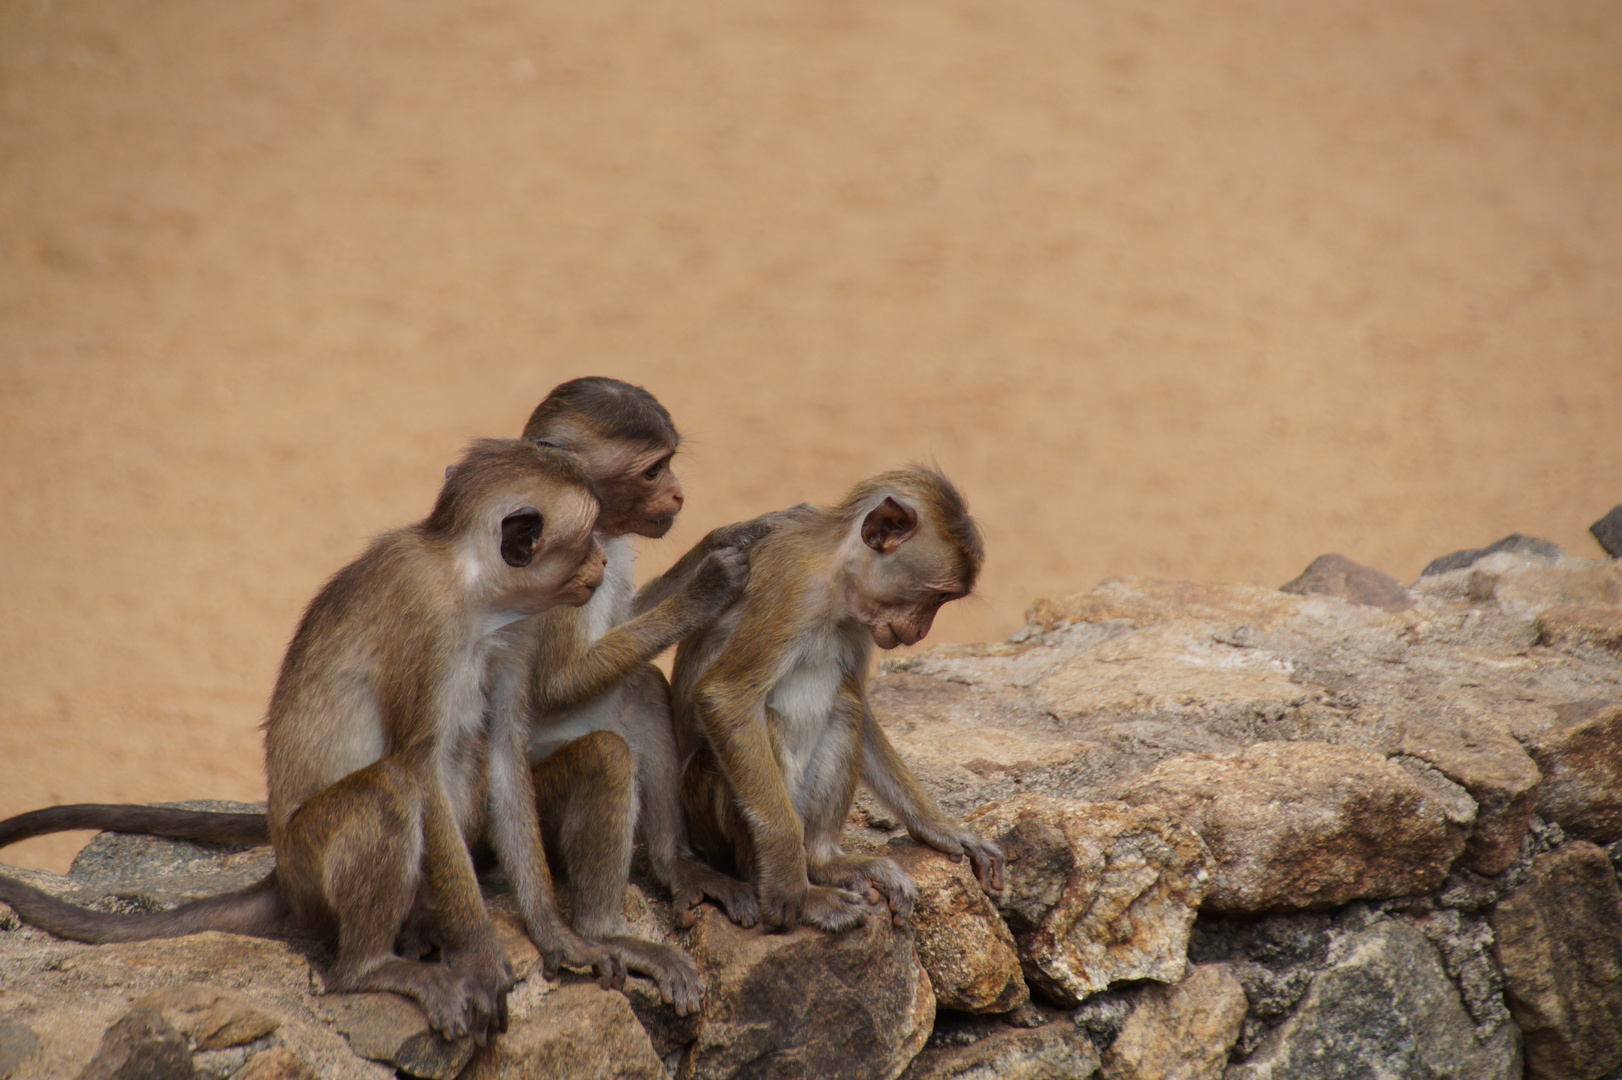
276,1063
391,1029
1055,1052
962,942
17,1044
1560,945
1514,543
848,1006
1569,625
1181,1032
141,1046
1608,531
1095,892
212,1018
1580,755
1385,1009
1305,825
576,1032
1481,756
1336,575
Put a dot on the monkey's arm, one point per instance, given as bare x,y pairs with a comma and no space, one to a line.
515,833
561,683
888,777
740,537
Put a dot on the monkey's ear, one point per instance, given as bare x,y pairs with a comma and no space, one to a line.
888,524
520,532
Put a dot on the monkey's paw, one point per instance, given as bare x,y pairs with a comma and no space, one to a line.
485,980
575,952
691,882
956,841
832,909
673,970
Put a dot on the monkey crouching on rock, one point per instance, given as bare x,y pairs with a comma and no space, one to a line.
771,709
383,763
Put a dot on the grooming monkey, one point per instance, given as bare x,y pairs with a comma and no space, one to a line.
383,763
575,674
591,675
771,704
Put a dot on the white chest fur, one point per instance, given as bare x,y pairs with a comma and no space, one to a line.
611,604
804,698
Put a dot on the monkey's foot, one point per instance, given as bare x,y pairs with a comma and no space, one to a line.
691,882
878,878
956,841
833,909
456,1003
672,970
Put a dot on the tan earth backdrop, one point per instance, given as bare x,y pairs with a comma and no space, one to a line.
1198,290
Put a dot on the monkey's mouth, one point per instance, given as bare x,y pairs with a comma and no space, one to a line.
657,527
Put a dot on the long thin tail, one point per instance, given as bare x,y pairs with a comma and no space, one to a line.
204,826
256,909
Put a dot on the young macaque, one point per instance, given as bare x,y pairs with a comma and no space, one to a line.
771,709
383,763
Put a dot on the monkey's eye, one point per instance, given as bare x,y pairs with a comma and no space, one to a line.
652,471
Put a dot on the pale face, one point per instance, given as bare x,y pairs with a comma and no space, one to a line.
896,589
639,491
567,561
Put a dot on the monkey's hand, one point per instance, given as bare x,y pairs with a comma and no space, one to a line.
742,535
878,879
956,841
572,951
719,580
486,978
673,970
691,882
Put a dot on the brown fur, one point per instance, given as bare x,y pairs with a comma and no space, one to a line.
382,763
771,706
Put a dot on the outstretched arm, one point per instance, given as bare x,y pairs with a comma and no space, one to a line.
739,537
888,777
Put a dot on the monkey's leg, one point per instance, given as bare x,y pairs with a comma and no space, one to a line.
350,858
585,794
845,886
651,733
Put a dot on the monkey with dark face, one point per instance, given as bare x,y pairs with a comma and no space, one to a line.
771,704
383,763
591,673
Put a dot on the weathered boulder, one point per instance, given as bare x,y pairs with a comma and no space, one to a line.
211,1017
850,1006
1480,755
1336,575
391,1029
17,1044
276,1063
582,1033
1560,943
1578,748
1181,1032
1566,626
1385,1009
1608,531
1531,547
142,1045
1095,892
1055,1052
1305,825
962,942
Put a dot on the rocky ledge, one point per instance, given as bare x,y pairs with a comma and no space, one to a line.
1344,829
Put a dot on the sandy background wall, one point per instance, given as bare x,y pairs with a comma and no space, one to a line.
1192,289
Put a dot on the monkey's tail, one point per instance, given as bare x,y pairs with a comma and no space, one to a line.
256,909
204,826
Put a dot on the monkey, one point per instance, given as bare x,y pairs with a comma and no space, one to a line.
588,672
383,764
592,670
770,700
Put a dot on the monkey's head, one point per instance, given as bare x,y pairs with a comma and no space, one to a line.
519,520
626,438
911,547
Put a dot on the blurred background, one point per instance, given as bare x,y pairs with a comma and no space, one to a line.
1193,289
